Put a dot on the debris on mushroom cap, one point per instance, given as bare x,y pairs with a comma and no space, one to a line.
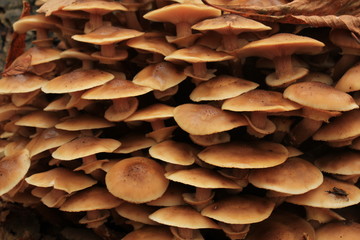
141,180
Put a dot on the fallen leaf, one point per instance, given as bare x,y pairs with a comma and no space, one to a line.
54,5
19,66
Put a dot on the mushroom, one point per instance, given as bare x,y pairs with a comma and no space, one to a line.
138,213
338,230
348,83
150,233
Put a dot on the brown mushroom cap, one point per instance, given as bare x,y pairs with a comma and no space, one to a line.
39,119
173,196
294,176
94,198
151,44
31,22
136,212
348,82
134,142
183,217
83,122
85,146
203,119
153,112
243,209
41,55
150,233
22,83
141,180
343,127
338,231
220,88
61,179
340,162
320,96
245,155
13,169
330,194
77,80
100,7
174,152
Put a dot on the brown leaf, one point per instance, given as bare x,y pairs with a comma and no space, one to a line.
54,5
343,14
17,45
19,66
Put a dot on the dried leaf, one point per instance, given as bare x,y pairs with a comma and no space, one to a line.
343,14
17,46
54,5
19,66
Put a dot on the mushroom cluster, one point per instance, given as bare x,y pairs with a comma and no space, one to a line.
174,120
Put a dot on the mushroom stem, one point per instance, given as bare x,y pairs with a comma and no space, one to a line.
121,104
157,58
89,159
183,29
41,34
238,227
108,50
199,69
303,130
132,20
230,42
94,214
202,193
186,233
345,62
87,64
157,124
95,22
259,119
283,66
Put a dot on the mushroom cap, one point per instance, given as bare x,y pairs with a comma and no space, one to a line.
174,152
76,53
173,196
121,109
160,76
13,169
178,13
21,83
134,142
151,113
204,119
210,139
294,176
320,96
94,198
197,54
150,233
260,100
136,212
348,82
243,209
201,178
61,179
107,35
162,134
281,44
344,162
77,80
41,55
32,22
83,122
330,194
220,88
85,146
100,7
230,24
258,154
343,230
343,127
39,119
141,180
182,217
151,44
345,40
116,88
9,110
49,138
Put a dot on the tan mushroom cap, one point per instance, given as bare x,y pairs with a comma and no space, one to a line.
151,44
330,194
202,178
174,152
260,100
345,40
211,139
107,35
355,144
343,230
220,88
150,233
61,179
76,53
344,162
197,54
41,55
162,134
341,128
9,110
134,142
182,217
178,13
243,209
160,76
294,176
100,7
48,139
94,198
153,112
32,22
39,119
173,196
259,154
281,44
141,180
77,80
22,83
348,82
83,122
116,88
320,96
85,146
13,169
227,24
136,212
204,119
